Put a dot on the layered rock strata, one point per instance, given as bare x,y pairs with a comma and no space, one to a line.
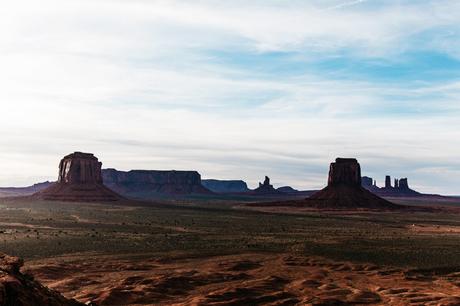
80,180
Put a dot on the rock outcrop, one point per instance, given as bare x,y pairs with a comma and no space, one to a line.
288,190
403,184
387,181
367,181
80,180
225,186
151,183
399,189
344,189
17,289
266,188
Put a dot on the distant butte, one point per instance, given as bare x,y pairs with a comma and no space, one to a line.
344,189
80,179
266,188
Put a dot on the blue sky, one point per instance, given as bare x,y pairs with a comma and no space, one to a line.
233,89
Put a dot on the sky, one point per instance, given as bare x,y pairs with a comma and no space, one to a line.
233,89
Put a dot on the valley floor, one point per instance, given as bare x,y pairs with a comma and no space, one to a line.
219,254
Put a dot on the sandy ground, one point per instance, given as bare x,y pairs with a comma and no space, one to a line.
248,279
434,229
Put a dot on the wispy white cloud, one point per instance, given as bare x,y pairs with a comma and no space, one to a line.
346,4
140,84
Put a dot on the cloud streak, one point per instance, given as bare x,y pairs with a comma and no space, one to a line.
232,89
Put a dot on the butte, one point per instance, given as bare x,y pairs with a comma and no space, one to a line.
80,180
344,189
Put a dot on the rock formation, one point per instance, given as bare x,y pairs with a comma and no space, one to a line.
344,189
80,179
400,188
21,290
288,189
151,183
225,186
367,181
266,188
345,171
388,181
403,184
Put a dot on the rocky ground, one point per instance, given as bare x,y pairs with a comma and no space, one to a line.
18,289
221,253
248,279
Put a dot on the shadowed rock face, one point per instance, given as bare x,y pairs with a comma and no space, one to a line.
344,189
225,186
149,182
345,171
21,290
403,184
80,179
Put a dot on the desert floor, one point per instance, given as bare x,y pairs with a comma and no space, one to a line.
221,253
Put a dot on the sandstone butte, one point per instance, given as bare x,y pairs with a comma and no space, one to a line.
79,180
344,189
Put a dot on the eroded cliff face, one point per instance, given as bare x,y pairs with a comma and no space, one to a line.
21,290
345,171
78,168
79,179
150,182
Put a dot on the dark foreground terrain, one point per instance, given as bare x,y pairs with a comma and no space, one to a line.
226,254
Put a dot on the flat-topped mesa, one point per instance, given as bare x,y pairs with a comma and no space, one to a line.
79,180
152,183
80,168
345,171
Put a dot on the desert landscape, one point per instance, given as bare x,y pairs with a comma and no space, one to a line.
192,254
341,246
229,153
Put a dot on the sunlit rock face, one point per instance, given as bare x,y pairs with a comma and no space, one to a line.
79,180
78,168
